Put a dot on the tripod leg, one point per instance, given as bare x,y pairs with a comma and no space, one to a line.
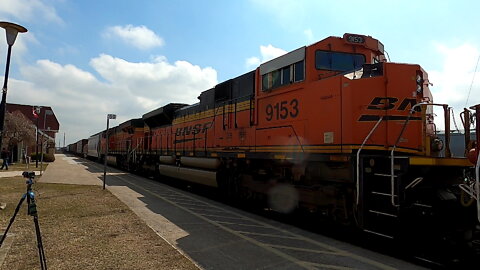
41,252
12,219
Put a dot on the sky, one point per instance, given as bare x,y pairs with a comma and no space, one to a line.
90,58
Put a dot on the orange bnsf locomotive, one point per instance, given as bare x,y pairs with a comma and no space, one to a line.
332,128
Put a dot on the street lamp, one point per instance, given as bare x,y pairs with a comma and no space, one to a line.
47,112
37,111
12,30
109,116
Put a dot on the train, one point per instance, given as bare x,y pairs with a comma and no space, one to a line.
78,148
333,129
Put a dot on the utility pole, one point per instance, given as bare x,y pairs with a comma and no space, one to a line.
109,116
37,110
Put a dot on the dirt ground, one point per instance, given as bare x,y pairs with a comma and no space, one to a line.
83,227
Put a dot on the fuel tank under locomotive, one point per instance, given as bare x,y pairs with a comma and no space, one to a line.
198,170
321,187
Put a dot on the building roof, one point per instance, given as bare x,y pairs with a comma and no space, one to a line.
51,123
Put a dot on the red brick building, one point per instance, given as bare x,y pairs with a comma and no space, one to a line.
47,123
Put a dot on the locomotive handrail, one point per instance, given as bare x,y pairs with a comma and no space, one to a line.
133,152
477,185
477,165
358,155
392,153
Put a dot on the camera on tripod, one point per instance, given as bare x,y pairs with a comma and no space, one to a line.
28,174
32,211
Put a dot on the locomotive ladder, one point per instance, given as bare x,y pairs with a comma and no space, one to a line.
380,207
378,213
382,200
132,154
381,196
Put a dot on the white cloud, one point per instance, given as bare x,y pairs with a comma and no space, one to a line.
267,53
253,62
157,81
81,101
309,34
453,81
138,36
29,10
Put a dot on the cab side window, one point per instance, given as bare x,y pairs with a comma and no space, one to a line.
283,76
338,61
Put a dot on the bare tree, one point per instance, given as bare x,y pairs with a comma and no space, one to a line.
18,128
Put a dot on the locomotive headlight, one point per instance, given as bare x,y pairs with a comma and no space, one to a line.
419,89
419,79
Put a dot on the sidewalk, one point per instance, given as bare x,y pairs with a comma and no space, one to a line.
66,170
10,173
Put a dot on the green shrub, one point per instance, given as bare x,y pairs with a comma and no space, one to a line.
46,157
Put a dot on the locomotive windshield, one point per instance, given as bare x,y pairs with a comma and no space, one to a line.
338,61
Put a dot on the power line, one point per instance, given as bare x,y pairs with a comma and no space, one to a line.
473,79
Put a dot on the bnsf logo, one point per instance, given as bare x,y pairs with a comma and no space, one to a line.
193,129
389,103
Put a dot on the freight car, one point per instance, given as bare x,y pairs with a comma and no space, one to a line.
333,128
78,148
95,149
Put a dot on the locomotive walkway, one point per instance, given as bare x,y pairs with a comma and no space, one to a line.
215,236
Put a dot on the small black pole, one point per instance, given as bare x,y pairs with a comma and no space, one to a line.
3,104
36,151
106,154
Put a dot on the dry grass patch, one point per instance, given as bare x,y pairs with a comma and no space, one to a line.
19,166
83,227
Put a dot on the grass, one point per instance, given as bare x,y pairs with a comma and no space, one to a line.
83,227
23,167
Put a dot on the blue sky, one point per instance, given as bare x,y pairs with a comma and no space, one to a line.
87,58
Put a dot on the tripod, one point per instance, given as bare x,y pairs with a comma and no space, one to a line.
32,211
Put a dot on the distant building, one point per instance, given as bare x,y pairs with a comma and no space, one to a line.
47,124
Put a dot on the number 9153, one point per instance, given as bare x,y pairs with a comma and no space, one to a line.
282,110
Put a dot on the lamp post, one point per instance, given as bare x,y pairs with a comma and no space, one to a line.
109,116
37,111
47,112
11,30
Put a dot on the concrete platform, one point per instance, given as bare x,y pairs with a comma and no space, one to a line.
69,170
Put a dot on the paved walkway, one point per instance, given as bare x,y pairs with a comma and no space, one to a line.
10,173
69,170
